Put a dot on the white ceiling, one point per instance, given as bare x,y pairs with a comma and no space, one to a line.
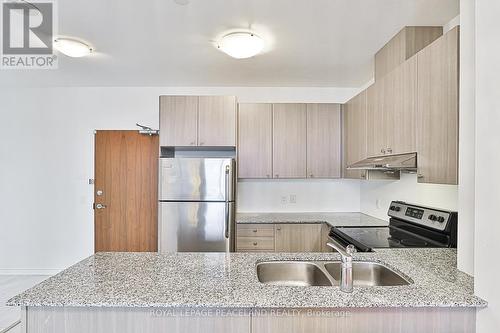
160,43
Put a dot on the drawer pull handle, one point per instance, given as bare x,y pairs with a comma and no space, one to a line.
255,230
255,243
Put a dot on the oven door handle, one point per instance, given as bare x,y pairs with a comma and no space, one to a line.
335,242
345,242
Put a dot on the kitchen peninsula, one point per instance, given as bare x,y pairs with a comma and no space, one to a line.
213,292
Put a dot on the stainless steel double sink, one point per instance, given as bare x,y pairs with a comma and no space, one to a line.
327,273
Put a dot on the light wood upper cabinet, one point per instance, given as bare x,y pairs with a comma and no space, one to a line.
405,44
178,120
401,95
391,111
289,140
255,140
376,118
437,115
298,238
355,133
323,141
217,121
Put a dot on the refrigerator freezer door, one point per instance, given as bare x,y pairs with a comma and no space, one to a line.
197,179
197,227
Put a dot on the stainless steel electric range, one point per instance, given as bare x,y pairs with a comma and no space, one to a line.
409,226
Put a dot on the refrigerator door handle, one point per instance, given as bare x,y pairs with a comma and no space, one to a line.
226,206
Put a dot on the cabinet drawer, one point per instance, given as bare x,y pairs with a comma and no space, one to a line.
255,230
255,243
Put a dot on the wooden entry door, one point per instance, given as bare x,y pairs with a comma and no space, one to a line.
125,191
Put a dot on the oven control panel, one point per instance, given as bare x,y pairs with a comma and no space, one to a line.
429,217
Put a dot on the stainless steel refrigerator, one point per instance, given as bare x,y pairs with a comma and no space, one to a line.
197,205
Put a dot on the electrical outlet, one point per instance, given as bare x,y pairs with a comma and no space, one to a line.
283,200
293,198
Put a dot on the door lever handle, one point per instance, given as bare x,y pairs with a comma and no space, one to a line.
99,206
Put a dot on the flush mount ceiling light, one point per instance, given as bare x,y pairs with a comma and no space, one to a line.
72,47
241,45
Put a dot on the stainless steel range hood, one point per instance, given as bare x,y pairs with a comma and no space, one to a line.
401,162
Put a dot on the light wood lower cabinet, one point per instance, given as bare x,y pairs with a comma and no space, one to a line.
255,244
279,320
325,231
134,319
255,230
360,320
285,237
298,238
437,120
255,238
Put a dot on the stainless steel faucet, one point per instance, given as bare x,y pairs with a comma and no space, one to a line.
346,271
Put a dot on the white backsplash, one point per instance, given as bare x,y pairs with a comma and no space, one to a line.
377,195
316,195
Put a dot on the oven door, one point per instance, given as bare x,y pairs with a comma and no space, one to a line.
344,240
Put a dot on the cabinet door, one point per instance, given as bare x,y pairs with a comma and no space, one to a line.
355,133
217,121
323,141
289,140
325,237
255,140
376,117
298,238
400,111
437,115
178,120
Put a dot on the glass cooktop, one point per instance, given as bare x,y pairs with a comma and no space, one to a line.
382,237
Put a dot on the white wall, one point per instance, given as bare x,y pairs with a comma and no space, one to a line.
46,159
311,196
377,195
466,139
487,152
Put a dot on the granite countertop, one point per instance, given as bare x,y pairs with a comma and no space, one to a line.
333,219
220,280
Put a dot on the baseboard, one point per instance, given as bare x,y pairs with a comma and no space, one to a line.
29,271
